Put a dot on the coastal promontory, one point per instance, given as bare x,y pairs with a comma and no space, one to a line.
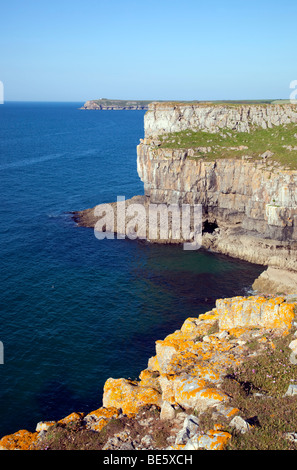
115,105
239,161
227,378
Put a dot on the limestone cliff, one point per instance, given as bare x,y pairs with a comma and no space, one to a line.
163,118
249,205
249,199
252,210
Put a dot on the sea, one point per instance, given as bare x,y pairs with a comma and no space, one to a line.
76,310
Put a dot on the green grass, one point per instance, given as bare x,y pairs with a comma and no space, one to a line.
270,372
116,102
272,413
257,388
257,142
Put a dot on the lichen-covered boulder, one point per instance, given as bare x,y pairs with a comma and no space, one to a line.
255,311
97,419
212,440
191,392
21,440
129,396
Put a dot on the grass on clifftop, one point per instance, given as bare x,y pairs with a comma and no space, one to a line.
257,388
280,140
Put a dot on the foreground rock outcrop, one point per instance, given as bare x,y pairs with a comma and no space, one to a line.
163,409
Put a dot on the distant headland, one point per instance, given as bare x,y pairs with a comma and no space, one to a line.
106,104
134,105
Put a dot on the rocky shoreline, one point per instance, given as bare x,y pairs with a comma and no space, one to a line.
227,379
278,258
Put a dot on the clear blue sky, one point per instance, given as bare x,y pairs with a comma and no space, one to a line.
74,50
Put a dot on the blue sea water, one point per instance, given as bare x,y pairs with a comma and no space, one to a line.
75,310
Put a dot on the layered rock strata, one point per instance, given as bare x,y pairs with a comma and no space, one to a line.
249,207
252,210
164,118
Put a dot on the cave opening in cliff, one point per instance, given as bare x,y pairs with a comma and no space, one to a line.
209,227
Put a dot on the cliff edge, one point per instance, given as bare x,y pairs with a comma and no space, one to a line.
240,163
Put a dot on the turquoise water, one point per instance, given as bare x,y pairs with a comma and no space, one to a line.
75,310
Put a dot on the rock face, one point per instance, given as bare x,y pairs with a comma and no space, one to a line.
249,208
249,212
191,362
242,199
164,118
231,191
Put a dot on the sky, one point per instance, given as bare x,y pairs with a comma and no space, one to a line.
62,50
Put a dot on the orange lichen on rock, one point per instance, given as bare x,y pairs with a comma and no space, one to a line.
189,325
173,344
97,419
129,396
219,439
232,412
255,311
166,382
214,439
75,416
214,394
191,392
211,315
188,368
153,364
44,425
181,362
21,440
178,340
286,316
149,378
206,372
237,332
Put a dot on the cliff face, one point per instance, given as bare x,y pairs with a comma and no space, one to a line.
173,117
238,197
249,206
248,198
